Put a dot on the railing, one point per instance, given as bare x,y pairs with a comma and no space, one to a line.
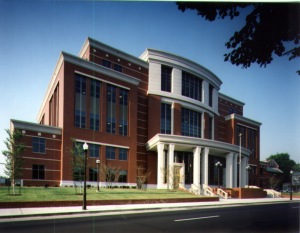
222,193
195,189
208,191
272,193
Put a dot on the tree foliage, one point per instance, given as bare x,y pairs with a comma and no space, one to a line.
78,156
283,160
14,156
270,28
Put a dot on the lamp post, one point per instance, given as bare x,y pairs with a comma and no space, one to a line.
248,168
85,148
240,168
218,166
291,191
98,164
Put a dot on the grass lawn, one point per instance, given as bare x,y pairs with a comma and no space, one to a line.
35,194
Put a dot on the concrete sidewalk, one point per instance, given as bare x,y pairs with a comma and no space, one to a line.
52,211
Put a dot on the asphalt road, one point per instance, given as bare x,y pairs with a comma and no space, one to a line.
259,218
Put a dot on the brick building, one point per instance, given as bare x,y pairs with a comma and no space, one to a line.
156,112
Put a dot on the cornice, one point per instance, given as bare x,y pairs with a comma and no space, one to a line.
228,98
16,124
243,119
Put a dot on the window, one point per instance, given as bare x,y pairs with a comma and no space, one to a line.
78,173
111,109
38,172
80,101
191,86
241,130
106,63
94,150
165,118
123,112
95,105
110,152
122,176
123,154
38,145
166,74
211,92
190,123
210,128
118,68
93,174
252,142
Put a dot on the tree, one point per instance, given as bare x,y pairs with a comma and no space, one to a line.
141,176
270,29
296,168
110,173
283,160
13,155
78,164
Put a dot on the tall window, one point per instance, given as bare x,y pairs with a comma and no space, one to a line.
190,123
80,101
38,145
94,150
210,128
165,118
95,105
166,74
191,86
241,130
123,154
211,91
38,172
106,63
111,109
123,112
252,142
110,152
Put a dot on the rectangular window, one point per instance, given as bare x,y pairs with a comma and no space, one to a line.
80,101
106,63
118,68
38,145
93,174
78,173
210,128
111,109
211,91
95,105
191,86
94,150
122,176
110,152
241,130
123,112
123,154
38,172
166,75
252,142
165,118
190,123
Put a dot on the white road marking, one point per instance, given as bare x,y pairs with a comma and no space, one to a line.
191,219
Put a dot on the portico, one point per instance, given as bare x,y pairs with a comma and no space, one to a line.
194,160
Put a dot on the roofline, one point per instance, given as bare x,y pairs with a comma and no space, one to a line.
24,125
228,98
243,119
112,50
192,66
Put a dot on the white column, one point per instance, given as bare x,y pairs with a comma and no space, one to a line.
196,168
160,165
244,171
170,166
229,170
235,168
204,166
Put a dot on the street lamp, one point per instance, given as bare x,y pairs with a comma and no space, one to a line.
291,191
248,168
218,166
85,148
98,164
240,168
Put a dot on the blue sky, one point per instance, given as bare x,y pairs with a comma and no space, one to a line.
33,33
